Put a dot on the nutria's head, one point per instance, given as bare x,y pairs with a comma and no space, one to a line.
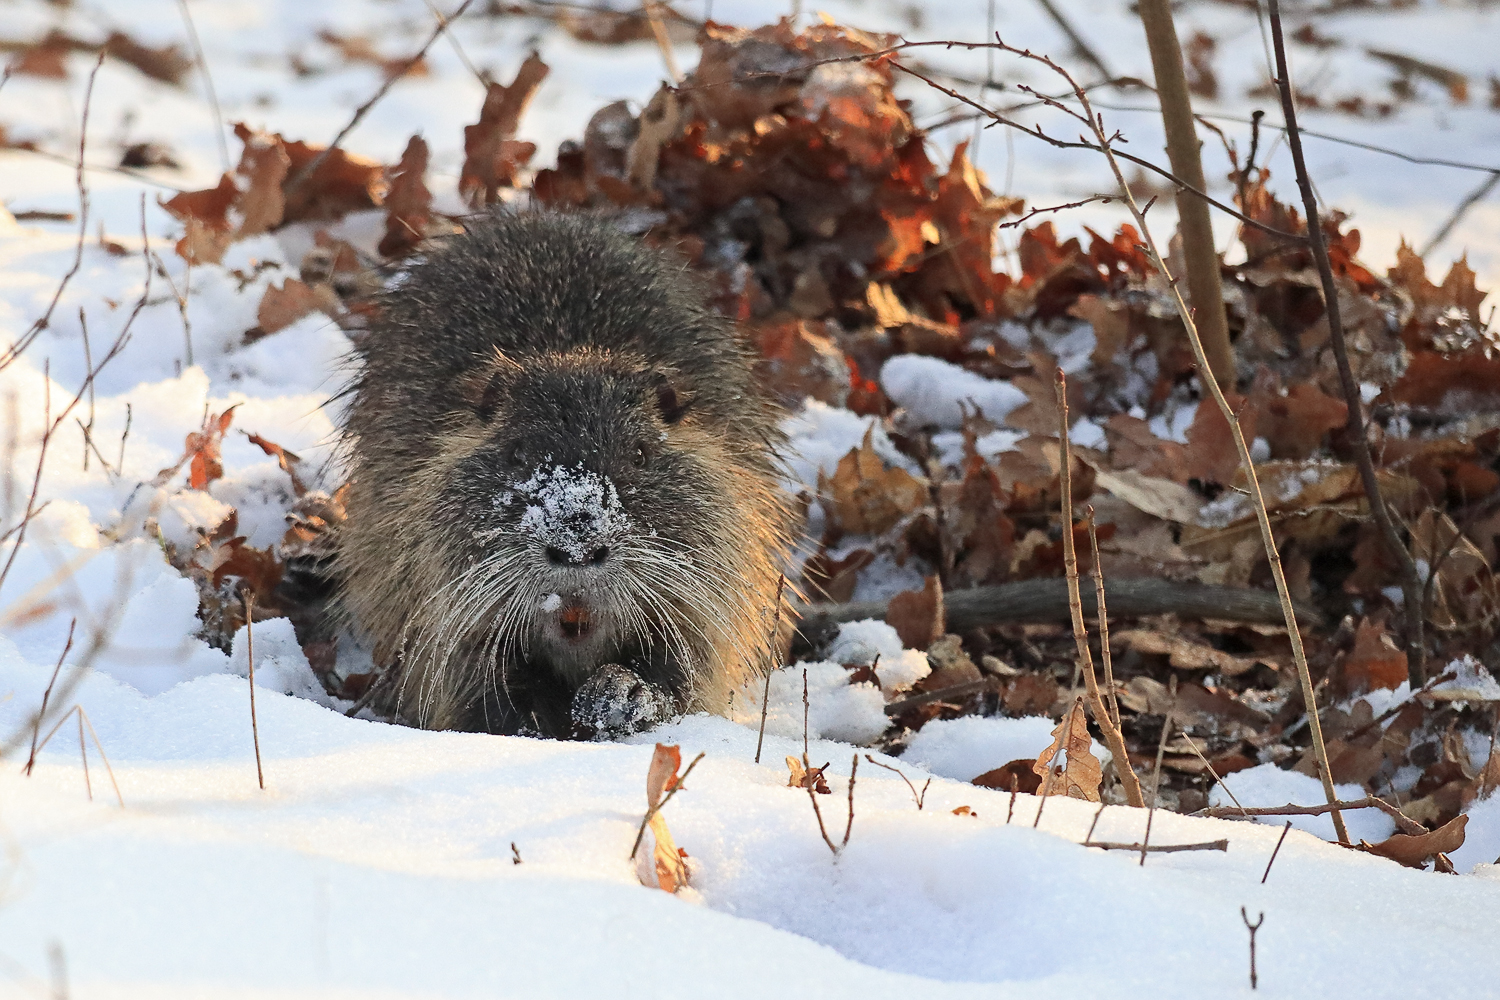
587,513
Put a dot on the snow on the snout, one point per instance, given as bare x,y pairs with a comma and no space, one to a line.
572,509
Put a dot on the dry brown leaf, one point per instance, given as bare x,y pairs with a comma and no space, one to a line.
281,307
206,217
1183,653
801,777
659,123
1080,773
917,615
1413,850
408,206
264,163
286,459
661,777
866,497
1375,661
1016,775
669,868
492,157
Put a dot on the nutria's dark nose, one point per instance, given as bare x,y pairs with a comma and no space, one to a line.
558,557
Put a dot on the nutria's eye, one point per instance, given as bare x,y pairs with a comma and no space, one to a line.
638,458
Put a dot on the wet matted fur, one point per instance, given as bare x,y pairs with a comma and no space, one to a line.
560,459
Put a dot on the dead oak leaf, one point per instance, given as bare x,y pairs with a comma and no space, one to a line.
806,777
408,206
917,615
281,307
866,497
1080,773
1183,653
492,157
1413,850
286,459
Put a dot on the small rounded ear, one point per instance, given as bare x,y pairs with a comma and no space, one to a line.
671,402
481,387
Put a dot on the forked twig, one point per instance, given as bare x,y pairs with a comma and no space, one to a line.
1110,729
1252,928
918,797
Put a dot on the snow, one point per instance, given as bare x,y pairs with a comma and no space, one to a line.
934,392
378,860
571,509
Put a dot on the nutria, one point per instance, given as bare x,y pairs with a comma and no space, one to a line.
565,515
559,461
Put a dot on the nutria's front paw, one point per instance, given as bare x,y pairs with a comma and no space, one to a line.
614,703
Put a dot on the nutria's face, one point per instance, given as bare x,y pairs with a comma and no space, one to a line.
587,518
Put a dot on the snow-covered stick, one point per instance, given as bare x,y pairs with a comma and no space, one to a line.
1113,738
1103,142
1284,831
1411,578
771,649
260,775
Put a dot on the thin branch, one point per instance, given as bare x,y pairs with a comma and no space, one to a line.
208,84
1247,464
83,718
19,347
37,729
306,172
1079,45
646,820
772,648
896,708
1161,749
1102,619
1284,831
1213,845
1411,583
458,49
918,797
1405,823
260,774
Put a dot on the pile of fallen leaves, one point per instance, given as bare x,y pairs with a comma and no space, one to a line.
789,173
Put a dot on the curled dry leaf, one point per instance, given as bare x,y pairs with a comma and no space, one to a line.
1183,653
286,459
1375,662
1079,774
1017,774
666,868
801,777
1413,851
661,777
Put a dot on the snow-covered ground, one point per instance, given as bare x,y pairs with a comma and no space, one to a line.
378,861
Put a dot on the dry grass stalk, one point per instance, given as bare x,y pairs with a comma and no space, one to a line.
208,85
1161,749
1095,124
1102,717
260,774
1102,620
36,731
772,645
1411,579
83,719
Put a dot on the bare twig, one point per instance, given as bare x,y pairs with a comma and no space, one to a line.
646,819
1102,199
83,719
1079,45
1473,198
1113,738
1102,619
260,774
458,49
120,462
771,647
849,826
917,797
1411,583
653,15
18,348
1405,823
942,694
1161,749
208,84
306,172
1212,845
515,853
37,729
1213,773
1095,124
1252,928
1284,831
